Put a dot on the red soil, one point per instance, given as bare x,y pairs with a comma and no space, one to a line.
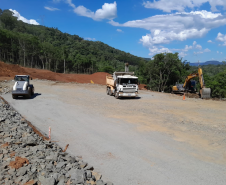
8,71
4,145
18,163
31,182
142,87
12,154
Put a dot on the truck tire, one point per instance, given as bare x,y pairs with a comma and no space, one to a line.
28,96
107,91
117,95
14,96
33,91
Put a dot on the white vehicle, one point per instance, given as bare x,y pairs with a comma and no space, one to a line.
122,84
22,87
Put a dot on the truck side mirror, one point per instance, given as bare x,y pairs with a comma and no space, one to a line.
31,78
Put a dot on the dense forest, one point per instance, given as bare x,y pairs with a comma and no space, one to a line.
48,48
38,46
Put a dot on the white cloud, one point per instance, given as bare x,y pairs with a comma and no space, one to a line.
165,37
187,48
88,38
21,18
182,54
210,41
199,52
221,38
108,11
119,30
194,43
51,8
217,51
181,5
207,50
154,50
221,52
177,26
198,46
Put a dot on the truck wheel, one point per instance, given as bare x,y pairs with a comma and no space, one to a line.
33,91
107,91
14,96
29,93
116,95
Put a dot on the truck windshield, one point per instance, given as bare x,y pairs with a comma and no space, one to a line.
128,81
21,78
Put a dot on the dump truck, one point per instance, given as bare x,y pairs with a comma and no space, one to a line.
22,87
122,84
190,85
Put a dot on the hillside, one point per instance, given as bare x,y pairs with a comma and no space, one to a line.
48,48
212,62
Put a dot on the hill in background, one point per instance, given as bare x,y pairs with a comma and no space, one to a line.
211,62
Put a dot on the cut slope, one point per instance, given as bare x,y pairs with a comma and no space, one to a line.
8,71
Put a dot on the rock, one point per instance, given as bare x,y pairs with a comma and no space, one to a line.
51,158
18,179
61,180
88,174
77,175
99,182
31,140
88,167
61,165
96,175
47,181
83,164
22,171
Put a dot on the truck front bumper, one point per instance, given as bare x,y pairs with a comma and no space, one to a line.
20,92
122,94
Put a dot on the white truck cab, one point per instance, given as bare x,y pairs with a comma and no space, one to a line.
122,84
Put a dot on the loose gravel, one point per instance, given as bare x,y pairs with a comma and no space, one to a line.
26,158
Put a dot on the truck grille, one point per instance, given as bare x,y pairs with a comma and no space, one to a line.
129,90
19,89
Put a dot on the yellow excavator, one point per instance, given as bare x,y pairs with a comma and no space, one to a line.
190,85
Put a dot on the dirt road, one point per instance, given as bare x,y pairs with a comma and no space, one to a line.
154,139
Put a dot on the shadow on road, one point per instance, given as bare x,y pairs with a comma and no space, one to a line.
35,95
32,97
126,98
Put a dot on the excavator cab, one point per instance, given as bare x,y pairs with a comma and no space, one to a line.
192,86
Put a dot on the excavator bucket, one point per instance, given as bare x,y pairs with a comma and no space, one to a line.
205,93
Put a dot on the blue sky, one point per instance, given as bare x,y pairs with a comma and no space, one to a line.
194,28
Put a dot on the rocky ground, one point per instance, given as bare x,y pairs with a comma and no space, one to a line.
4,87
27,157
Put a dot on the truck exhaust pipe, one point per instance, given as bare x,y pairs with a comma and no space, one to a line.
126,67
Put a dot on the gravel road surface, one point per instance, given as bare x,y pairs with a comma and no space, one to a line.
154,139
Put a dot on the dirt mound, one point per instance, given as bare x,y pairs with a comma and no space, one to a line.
18,163
8,71
142,87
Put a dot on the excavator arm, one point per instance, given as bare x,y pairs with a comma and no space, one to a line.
204,92
188,78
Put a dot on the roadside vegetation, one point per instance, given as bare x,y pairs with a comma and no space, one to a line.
48,48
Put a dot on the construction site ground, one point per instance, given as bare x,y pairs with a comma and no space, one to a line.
156,138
